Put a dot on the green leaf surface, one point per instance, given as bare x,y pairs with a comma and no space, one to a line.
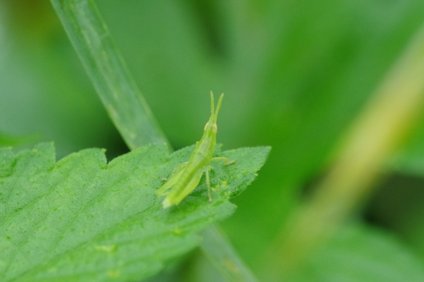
83,219
359,253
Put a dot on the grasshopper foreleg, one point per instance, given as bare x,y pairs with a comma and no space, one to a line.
208,183
225,160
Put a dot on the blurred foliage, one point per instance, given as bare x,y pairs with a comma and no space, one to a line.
359,253
399,208
45,92
295,74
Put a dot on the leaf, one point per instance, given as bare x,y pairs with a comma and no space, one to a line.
363,254
83,219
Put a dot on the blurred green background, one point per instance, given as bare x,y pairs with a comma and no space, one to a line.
295,75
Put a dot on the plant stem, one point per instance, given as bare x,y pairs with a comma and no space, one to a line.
224,258
108,72
126,106
378,131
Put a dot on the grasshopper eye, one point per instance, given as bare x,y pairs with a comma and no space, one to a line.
211,127
214,128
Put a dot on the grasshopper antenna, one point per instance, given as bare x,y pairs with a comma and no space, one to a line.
212,103
218,106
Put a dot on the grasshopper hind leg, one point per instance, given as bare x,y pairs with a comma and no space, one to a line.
175,175
179,193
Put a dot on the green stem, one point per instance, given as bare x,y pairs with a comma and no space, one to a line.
108,73
224,258
378,131
125,104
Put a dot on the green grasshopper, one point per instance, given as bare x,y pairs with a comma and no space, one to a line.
187,176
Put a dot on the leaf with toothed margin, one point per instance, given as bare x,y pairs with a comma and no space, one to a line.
83,219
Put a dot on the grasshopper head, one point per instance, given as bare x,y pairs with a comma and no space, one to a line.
210,127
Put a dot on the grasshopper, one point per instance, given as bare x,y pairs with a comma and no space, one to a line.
187,175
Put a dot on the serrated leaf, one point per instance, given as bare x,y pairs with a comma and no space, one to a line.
83,219
360,253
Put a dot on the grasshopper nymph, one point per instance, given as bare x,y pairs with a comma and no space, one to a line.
187,176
